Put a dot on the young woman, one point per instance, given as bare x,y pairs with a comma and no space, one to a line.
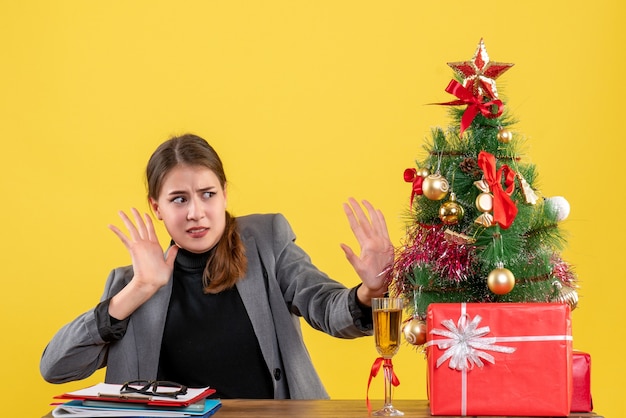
221,307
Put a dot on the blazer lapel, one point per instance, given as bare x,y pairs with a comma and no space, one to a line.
254,296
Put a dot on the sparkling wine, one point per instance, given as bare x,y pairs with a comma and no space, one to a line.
387,323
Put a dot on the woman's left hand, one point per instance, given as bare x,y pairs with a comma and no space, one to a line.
376,249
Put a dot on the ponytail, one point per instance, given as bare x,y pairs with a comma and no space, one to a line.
228,263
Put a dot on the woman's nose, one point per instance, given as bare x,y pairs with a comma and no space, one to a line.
194,211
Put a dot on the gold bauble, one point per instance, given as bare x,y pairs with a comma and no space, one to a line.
422,172
501,281
504,135
415,332
435,187
451,212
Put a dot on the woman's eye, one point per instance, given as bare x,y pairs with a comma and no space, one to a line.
179,199
208,195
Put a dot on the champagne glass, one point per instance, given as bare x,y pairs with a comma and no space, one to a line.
387,324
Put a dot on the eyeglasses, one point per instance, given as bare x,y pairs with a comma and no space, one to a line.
154,387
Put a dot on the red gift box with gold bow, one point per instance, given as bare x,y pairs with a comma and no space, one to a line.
499,359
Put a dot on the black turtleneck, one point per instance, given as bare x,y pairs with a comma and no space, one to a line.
208,338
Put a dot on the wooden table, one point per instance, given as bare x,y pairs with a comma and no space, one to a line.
324,409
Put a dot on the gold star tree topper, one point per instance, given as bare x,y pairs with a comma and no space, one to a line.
479,74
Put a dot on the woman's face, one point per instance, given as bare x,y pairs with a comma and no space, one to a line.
192,205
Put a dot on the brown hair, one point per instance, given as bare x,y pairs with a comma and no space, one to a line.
227,263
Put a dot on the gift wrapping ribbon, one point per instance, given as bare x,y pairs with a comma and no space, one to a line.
504,209
474,104
465,342
410,176
388,366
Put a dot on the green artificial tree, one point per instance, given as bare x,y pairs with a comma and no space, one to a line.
478,228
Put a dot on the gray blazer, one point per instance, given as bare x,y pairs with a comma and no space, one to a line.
281,285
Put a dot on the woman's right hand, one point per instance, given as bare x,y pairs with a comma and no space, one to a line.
152,270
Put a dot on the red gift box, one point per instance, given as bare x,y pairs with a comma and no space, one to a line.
499,359
581,374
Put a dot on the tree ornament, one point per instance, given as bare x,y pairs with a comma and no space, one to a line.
470,167
415,176
475,105
484,203
564,294
560,206
411,176
529,194
415,331
422,172
479,74
504,135
501,281
504,209
458,238
435,186
451,212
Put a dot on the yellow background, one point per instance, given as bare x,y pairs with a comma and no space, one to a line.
308,102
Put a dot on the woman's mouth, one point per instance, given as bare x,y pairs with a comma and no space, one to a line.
197,232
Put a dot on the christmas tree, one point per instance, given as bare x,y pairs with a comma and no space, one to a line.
478,228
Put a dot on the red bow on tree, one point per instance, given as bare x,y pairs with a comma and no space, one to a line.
410,176
504,209
474,104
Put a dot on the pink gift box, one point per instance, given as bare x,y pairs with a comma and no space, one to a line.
499,359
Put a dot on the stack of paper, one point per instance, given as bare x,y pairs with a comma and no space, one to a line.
105,400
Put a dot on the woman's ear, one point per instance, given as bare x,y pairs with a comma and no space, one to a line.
155,208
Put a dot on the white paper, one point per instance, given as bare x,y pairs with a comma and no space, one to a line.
110,389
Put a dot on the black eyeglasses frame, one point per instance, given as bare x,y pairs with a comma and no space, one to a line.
151,387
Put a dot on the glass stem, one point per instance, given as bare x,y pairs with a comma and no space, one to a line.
388,370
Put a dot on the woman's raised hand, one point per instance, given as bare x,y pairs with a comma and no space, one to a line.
151,268
377,252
